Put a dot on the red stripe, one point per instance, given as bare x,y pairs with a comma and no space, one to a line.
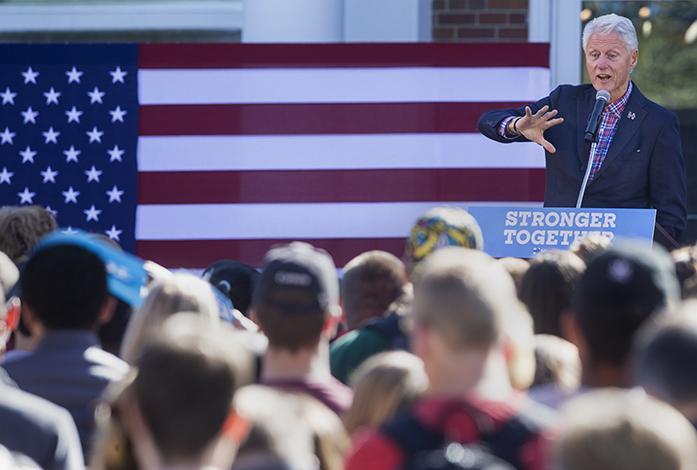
193,56
438,185
319,118
201,253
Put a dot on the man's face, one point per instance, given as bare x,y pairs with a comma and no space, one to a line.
609,63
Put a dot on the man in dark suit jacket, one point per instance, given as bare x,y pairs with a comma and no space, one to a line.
637,162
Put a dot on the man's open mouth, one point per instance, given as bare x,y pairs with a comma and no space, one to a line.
604,77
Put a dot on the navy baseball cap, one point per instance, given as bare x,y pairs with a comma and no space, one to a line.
298,279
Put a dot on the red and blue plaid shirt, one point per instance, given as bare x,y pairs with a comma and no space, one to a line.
608,125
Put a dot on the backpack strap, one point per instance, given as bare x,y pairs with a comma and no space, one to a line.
389,328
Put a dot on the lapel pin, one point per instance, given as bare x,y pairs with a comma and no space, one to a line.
631,115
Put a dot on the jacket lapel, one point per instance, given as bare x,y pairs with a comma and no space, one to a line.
584,106
626,128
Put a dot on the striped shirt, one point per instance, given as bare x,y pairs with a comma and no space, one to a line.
608,126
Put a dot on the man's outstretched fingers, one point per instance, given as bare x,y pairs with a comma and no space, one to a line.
541,111
553,122
547,146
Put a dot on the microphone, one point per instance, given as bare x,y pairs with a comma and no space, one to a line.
602,98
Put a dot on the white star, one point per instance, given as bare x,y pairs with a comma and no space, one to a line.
95,95
29,115
71,195
73,114
6,136
8,96
115,194
115,154
6,176
113,233
117,114
53,212
92,214
49,175
95,135
71,154
30,76
27,155
117,75
74,75
26,196
52,96
93,174
51,136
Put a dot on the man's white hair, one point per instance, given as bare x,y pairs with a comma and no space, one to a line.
612,23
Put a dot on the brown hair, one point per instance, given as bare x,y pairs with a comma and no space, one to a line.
21,228
371,282
290,331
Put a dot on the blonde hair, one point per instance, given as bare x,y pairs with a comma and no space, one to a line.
615,429
463,296
381,386
181,292
557,362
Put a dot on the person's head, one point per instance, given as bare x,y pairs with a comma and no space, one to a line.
438,228
64,286
461,300
180,400
589,246
662,361
611,49
612,429
292,428
180,292
556,362
371,282
548,286
21,228
620,290
235,280
516,268
296,302
383,385
9,313
685,260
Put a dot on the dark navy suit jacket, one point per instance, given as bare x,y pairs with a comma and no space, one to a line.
644,167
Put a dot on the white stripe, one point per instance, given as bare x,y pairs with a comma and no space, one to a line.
333,152
263,221
341,85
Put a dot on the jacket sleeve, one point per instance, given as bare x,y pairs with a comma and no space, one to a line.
489,122
667,180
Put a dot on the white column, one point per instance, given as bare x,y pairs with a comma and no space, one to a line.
293,21
558,22
388,21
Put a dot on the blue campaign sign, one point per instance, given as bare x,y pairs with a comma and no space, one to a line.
522,232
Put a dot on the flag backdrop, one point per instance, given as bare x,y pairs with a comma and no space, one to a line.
190,153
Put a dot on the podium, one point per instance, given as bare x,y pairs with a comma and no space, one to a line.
524,231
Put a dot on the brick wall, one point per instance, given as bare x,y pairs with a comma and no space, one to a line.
480,20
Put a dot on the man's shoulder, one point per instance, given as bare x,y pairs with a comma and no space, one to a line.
568,93
22,410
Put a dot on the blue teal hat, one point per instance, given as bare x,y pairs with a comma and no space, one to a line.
126,275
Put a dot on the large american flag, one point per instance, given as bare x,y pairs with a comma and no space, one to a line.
190,153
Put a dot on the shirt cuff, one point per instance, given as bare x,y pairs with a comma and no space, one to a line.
503,128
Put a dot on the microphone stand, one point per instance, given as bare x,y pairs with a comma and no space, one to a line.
582,191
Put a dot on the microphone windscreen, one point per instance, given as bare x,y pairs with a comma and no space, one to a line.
603,95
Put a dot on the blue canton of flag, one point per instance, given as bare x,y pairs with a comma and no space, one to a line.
68,134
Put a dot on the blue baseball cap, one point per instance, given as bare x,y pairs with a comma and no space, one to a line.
126,274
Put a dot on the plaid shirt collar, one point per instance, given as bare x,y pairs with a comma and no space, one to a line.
616,107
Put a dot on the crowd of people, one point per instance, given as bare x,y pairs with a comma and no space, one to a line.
444,358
